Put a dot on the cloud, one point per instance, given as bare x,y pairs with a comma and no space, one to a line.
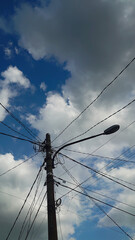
96,40
14,188
14,75
43,86
125,196
8,52
55,108
11,76
4,26
87,38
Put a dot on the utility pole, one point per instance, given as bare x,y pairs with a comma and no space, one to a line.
51,208
52,225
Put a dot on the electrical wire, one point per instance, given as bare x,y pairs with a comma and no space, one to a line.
113,220
114,136
35,216
31,208
23,139
18,165
116,165
22,124
4,124
103,120
99,172
11,195
34,203
100,207
24,203
35,235
132,60
100,194
108,163
98,200
99,156
60,225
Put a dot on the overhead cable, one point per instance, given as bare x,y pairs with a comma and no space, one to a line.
113,221
23,139
95,192
14,130
31,208
20,122
103,120
103,90
24,203
17,165
35,216
100,173
98,200
97,205
99,156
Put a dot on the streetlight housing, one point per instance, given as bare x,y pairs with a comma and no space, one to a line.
112,129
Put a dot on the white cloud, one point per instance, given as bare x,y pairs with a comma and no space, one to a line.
14,75
14,188
96,39
7,92
8,52
43,86
56,109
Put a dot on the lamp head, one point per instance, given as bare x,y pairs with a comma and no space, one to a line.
112,129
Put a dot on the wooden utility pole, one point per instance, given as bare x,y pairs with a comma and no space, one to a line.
52,225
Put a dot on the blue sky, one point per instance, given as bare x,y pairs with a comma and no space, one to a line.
56,57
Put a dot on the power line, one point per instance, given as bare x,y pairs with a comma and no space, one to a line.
24,203
117,163
22,124
75,188
35,216
11,195
95,99
35,235
98,205
110,163
60,225
111,115
98,172
94,199
118,133
95,192
31,208
114,221
23,139
17,165
98,200
99,156
14,130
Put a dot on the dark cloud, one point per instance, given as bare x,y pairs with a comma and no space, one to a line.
95,38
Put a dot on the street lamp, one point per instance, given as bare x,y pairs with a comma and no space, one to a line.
108,131
49,161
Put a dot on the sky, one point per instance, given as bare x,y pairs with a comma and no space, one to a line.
68,62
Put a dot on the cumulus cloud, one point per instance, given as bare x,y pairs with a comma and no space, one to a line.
14,188
126,196
14,75
11,76
96,40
